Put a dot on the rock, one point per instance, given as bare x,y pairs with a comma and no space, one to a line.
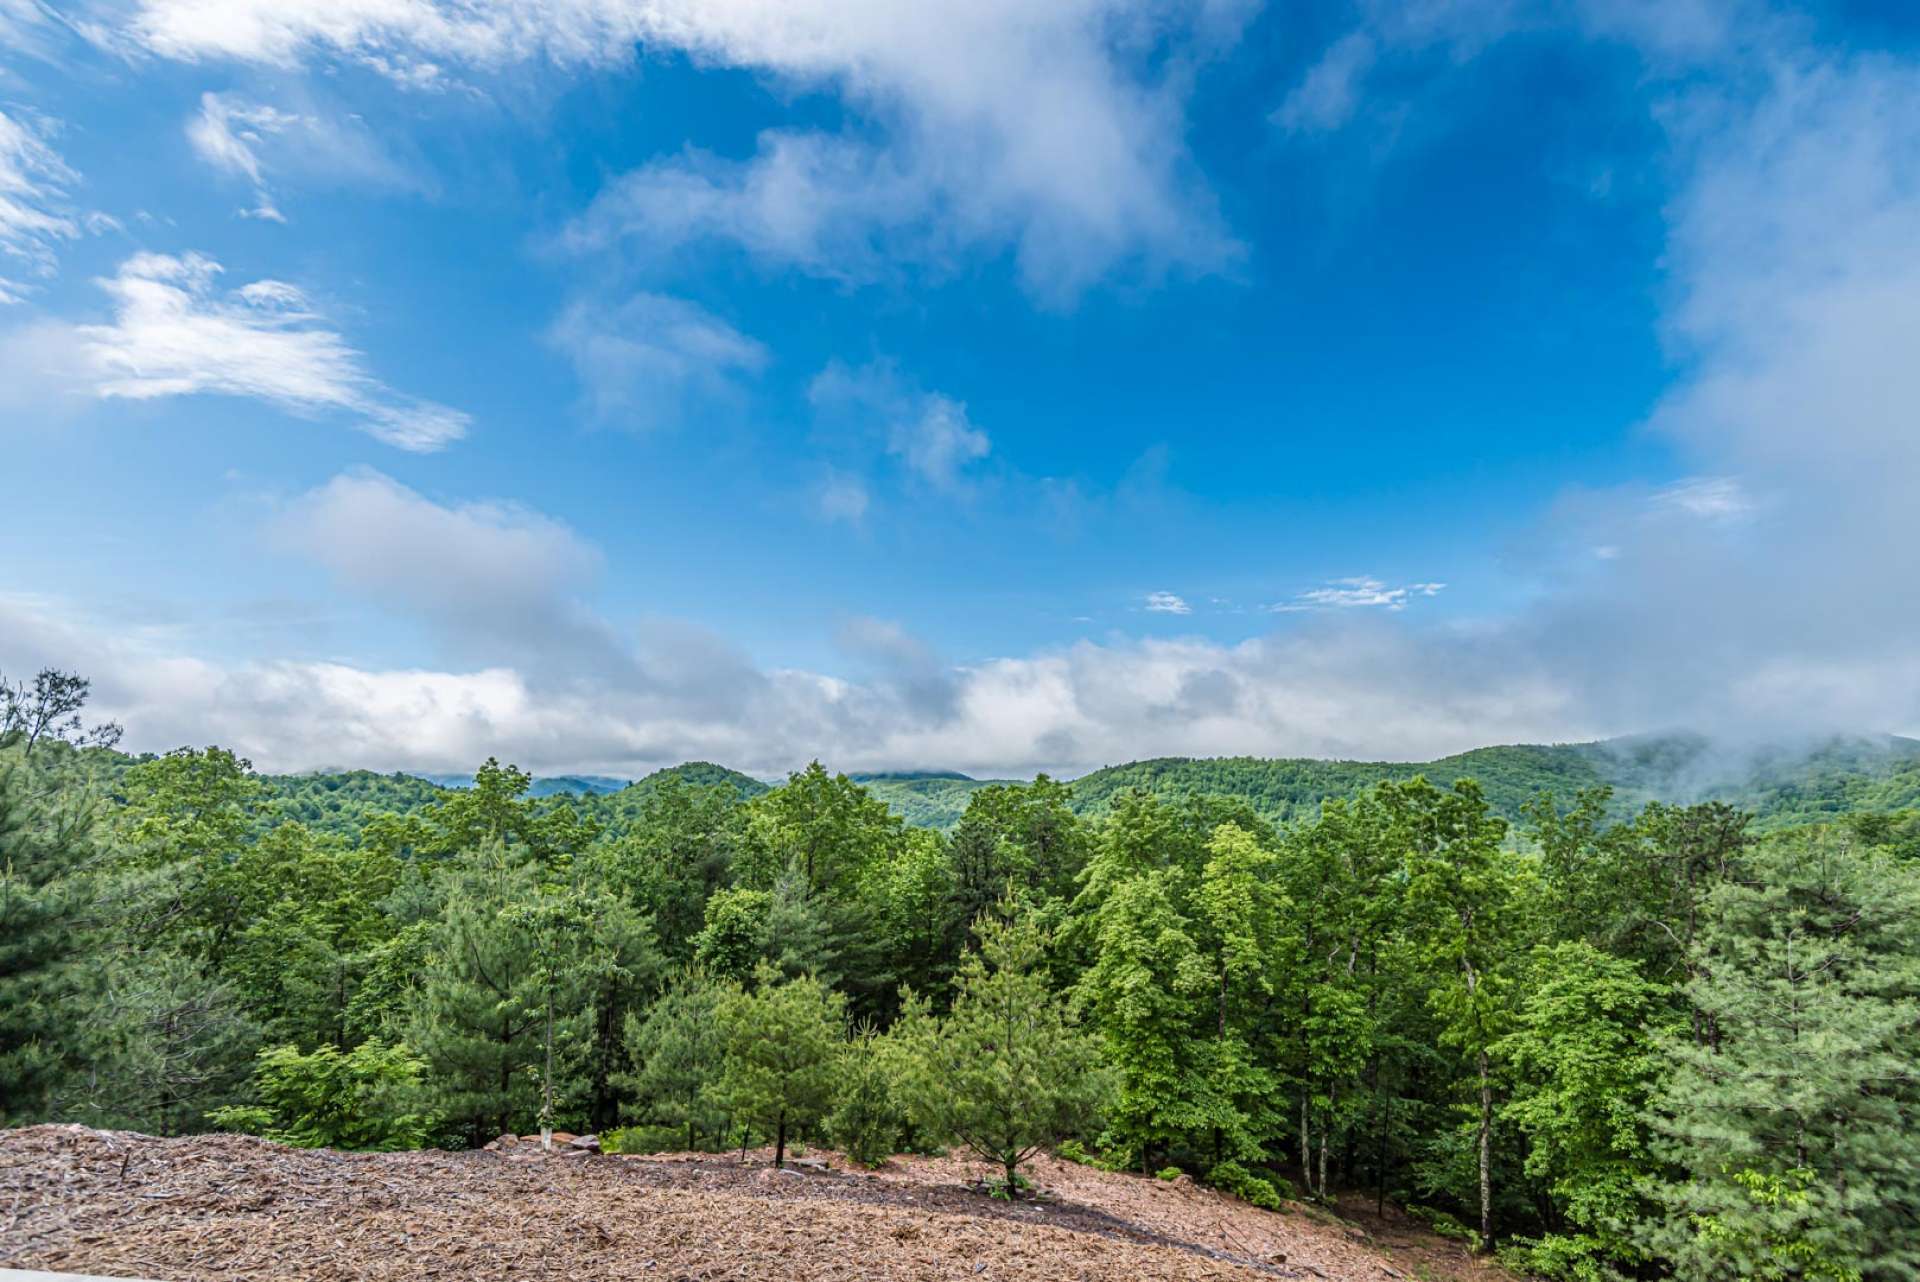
500,1144
817,1164
583,1143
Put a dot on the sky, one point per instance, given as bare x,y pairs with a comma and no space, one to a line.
601,384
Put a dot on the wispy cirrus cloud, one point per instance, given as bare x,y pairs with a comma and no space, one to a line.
176,333
1362,592
34,218
1166,603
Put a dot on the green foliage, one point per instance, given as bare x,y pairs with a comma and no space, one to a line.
1005,1072
366,1098
866,1120
735,936
1584,1064
46,852
1787,1116
782,1047
677,1051
1264,1191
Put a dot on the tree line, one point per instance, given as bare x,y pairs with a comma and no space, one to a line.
1608,1048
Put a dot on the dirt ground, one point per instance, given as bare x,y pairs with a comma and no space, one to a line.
231,1207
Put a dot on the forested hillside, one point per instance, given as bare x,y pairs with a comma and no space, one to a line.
1606,1044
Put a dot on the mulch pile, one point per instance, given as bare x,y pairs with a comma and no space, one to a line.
233,1207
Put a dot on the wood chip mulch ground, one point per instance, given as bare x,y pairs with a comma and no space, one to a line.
232,1207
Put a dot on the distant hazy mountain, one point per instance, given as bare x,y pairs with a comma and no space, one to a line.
1780,785
543,785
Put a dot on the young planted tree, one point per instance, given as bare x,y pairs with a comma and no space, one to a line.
866,1118
1006,1072
678,1051
782,1043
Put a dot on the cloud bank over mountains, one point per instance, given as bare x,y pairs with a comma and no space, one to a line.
1767,594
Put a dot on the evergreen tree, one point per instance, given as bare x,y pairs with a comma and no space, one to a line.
678,1050
1791,1127
46,857
477,1016
1006,1072
782,1041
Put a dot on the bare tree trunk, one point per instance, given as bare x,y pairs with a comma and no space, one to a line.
546,1099
1486,1156
1306,1145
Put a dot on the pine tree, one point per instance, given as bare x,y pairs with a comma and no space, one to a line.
1792,1125
1006,1072
478,1016
782,1039
678,1050
45,854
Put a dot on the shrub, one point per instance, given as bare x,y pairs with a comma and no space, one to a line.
865,1122
1072,1150
365,1098
1169,1173
1266,1192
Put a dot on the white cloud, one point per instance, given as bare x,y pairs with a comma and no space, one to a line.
228,133
258,142
175,334
1329,94
928,432
1361,592
386,541
842,497
1053,131
1710,498
651,360
34,181
938,442
1166,603
686,695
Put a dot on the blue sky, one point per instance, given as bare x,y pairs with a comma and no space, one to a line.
602,383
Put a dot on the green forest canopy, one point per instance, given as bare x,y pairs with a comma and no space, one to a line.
1611,1039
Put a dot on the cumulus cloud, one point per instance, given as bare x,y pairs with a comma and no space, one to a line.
651,361
175,333
34,181
495,580
1050,131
